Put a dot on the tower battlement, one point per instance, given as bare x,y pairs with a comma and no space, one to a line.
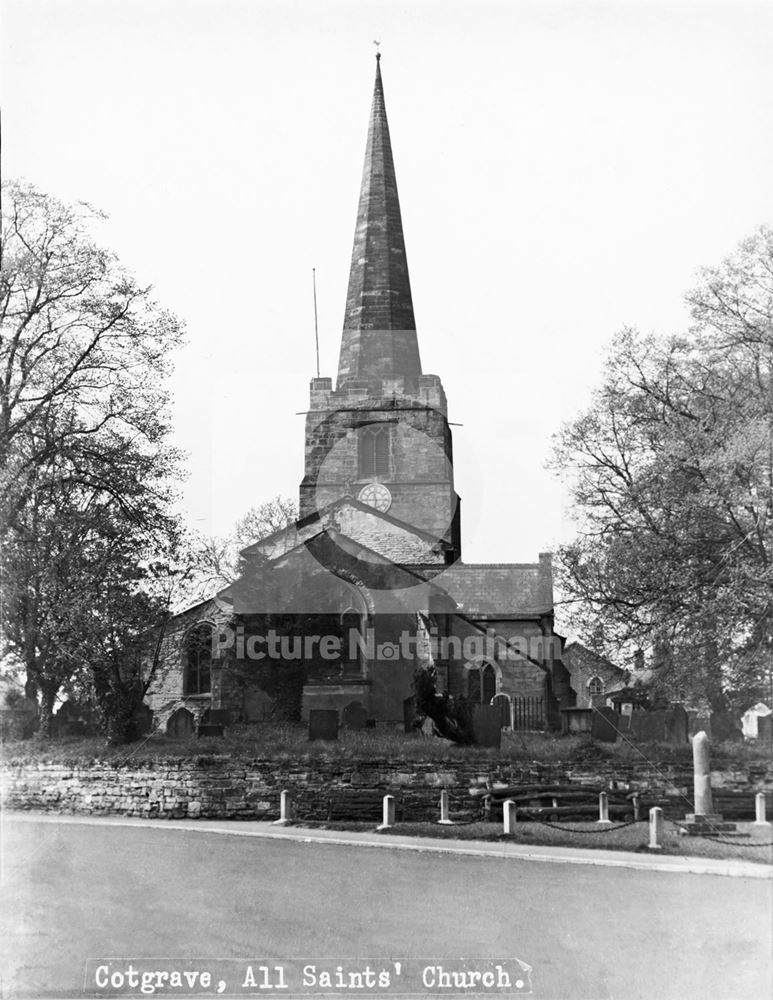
390,391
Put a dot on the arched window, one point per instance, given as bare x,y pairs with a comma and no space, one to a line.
595,689
482,684
489,685
198,660
374,450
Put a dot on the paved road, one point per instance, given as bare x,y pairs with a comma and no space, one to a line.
73,892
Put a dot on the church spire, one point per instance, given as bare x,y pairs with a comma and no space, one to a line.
379,335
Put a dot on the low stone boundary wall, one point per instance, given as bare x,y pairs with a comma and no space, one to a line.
229,788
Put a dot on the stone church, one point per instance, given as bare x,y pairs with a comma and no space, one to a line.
339,609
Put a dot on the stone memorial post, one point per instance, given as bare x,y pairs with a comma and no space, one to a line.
759,809
704,820
701,775
604,809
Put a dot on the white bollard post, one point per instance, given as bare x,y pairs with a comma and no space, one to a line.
656,828
509,815
604,809
444,813
389,812
285,809
759,808
636,808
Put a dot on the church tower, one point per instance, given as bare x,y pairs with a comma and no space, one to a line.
382,435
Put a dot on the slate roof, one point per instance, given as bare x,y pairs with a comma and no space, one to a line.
507,590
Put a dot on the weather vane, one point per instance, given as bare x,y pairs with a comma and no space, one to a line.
378,50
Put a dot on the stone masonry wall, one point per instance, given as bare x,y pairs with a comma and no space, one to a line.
227,788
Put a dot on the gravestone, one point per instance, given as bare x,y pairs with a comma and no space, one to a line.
623,720
257,705
72,719
409,714
765,727
676,724
216,717
486,726
698,723
180,725
724,726
323,724
502,702
650,727
604,725
354,716
143,720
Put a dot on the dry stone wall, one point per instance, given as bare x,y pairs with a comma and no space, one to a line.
229,788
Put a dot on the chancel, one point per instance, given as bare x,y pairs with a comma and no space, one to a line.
373,569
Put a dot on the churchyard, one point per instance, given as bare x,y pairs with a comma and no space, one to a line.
562,785
284,739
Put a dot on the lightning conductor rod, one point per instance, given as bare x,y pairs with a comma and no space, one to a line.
316,328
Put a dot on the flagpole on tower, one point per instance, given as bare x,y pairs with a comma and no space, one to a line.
316,330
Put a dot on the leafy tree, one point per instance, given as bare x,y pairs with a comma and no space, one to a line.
671,471
86,471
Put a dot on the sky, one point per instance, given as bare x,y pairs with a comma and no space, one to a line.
564,170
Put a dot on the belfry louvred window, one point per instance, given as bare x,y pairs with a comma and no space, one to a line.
374,451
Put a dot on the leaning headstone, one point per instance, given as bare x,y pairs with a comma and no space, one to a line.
676,724
486,726
604,725
323,724
180,725
354,716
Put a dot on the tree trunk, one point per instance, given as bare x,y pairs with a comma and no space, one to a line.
47,699
120,716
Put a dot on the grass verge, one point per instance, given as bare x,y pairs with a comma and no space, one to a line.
629,838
